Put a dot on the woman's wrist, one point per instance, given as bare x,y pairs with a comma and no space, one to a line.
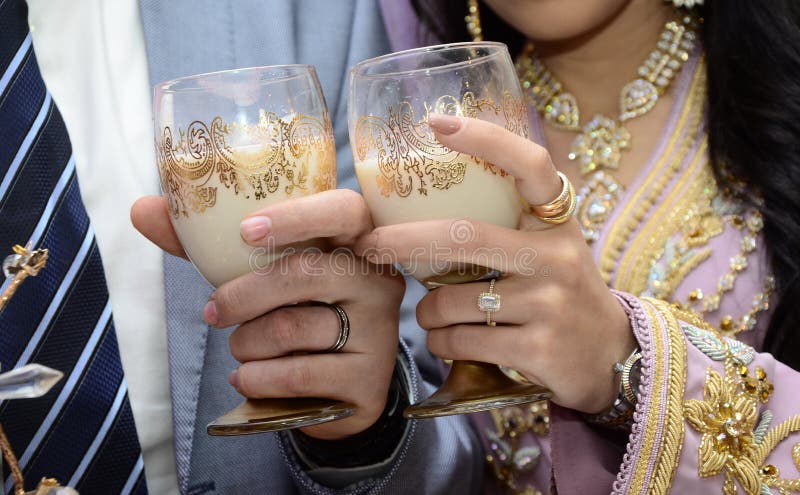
626,377
620,414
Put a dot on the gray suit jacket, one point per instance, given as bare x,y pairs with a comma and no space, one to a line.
193,36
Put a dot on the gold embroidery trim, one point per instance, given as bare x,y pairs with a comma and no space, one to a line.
664,455
658,178
411,160
675,277
193,168
776,436
648,245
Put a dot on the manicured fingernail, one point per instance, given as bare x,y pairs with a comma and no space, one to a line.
233,379
445,124
210,312
255,228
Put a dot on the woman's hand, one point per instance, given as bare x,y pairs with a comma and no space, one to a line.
559,324
276,340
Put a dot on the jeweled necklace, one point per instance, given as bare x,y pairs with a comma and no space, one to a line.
599,144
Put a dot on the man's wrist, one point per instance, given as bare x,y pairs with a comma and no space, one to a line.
374,445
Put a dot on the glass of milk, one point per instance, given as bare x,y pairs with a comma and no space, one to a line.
406,175
227,144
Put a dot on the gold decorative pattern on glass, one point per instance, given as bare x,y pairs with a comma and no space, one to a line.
411,160
204,157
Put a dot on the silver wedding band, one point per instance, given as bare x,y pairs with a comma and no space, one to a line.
344,328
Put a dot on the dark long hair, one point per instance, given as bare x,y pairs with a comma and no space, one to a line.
753,59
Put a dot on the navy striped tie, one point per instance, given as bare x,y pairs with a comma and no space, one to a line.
82,432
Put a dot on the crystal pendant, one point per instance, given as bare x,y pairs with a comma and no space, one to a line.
562,111
11,265
600,145
28,382
595,202
637,98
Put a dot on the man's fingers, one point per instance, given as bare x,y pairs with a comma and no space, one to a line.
329,376
339,214
150,216
310,276
301,328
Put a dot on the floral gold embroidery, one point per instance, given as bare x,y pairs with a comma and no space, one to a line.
734,441
203,158
411,160
726,421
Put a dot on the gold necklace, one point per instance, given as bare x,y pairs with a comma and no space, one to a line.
599,144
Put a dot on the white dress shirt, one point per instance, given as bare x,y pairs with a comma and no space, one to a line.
93,60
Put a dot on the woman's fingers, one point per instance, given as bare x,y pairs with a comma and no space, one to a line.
340,214
477,343
528,162
150,216
458,304
441,242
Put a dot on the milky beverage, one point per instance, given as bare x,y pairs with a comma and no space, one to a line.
212,237
484,195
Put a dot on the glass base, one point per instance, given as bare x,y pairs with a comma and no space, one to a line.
473,387
265,415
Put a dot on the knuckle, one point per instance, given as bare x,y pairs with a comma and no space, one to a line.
353,203
538,155
285,326
437,344
227,297
353,216
445,344
298,379
248,380
436,310
442,301
237,344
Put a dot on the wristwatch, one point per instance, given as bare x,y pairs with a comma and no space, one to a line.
620,415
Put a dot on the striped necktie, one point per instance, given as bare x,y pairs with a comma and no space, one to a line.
82,432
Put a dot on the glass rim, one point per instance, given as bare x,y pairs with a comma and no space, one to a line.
300,70
357,70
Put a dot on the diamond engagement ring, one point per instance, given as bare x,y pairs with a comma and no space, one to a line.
489,302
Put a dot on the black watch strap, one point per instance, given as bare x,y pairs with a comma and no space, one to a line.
373,445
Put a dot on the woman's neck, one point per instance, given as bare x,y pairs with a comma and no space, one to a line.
594,67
